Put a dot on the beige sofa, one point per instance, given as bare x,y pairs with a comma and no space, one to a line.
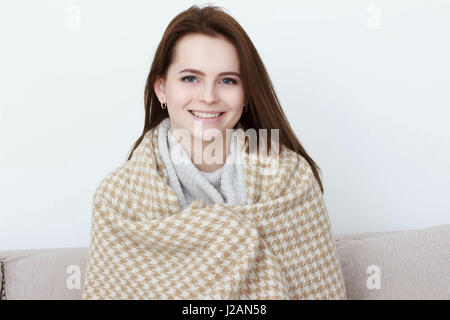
410,264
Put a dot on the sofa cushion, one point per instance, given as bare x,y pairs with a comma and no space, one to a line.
44,274
411,264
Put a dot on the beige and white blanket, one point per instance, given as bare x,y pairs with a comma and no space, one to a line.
277,246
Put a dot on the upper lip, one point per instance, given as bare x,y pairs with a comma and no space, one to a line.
207,111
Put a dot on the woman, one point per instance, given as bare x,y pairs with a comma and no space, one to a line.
175,222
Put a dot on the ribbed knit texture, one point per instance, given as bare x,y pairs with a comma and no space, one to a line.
225,185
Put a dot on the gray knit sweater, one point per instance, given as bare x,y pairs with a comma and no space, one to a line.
225,185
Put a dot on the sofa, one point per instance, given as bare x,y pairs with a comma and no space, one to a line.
408,264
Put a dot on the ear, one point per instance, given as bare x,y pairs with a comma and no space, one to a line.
160,89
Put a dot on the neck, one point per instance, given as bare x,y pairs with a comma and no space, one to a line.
207,156
209,161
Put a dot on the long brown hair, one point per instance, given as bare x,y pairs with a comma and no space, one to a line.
263,108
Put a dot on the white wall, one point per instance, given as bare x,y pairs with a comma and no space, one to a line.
364,84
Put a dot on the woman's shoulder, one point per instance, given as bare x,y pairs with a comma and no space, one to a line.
113,182
296,167
117,178
289,158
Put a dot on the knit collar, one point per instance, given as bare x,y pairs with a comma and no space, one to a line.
227,184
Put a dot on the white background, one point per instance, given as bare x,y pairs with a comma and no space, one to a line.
365,85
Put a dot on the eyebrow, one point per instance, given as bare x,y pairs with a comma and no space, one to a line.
202,73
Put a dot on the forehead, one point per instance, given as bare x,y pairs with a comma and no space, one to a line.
205,53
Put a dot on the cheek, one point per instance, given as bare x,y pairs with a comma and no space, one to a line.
235,101
180,96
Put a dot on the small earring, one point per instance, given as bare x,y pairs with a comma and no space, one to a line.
163,105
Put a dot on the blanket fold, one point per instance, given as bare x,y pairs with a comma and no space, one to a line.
277,246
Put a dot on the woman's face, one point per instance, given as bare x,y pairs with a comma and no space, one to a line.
212,84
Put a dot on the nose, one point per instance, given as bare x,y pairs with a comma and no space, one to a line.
209,94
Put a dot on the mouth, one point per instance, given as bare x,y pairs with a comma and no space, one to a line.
206,116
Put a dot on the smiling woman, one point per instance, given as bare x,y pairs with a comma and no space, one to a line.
208,94
206,62
166,226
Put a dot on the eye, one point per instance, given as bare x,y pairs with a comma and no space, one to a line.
187,77
232,80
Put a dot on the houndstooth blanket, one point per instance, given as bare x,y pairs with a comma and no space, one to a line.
277,246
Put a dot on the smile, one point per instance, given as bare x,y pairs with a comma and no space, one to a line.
206,117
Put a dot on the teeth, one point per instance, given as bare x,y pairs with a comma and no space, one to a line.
205,115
